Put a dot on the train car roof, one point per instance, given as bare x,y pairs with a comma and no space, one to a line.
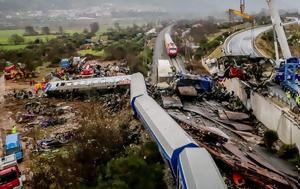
169,135
198,170
138,86
79,83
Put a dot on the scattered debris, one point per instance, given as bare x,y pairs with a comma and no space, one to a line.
256,71
19,94
171,101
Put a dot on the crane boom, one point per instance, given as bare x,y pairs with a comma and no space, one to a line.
278,26
241,14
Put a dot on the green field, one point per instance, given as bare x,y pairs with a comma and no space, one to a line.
12,47
92,52
5,34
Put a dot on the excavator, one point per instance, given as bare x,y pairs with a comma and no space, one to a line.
18,71
14,71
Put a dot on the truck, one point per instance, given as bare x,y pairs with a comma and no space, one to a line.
13,146
288,75
10,175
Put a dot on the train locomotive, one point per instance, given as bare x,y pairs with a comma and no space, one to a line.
172,49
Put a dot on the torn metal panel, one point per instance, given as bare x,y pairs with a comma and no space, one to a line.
183,118
187,91
197,110
249,170
213,133
171,102
263,162
237,152
237,126
234,116
218,132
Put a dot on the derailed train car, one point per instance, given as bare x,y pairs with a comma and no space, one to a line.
191,166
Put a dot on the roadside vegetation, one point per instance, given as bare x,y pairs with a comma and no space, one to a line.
265,42
199,39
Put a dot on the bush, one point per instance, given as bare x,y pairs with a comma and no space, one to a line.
141,168
270,137
16,39
95,143
288,151
136,65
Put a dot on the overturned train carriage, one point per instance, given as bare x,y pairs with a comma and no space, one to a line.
83,85
192,166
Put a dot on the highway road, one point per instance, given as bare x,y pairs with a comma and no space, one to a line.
242,43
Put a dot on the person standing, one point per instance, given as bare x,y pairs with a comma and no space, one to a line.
14,129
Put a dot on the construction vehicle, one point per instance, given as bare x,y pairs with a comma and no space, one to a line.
17,72
10,175
288,69
13,146
14,71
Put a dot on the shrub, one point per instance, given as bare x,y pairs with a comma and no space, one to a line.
270,137
288,151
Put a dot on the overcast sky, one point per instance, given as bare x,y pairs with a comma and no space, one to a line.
209,6
201,7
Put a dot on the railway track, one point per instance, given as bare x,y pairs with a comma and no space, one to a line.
178,65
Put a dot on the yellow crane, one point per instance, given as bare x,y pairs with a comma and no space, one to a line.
240,12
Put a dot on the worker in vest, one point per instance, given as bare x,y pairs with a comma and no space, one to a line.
14,129
298,100
288,95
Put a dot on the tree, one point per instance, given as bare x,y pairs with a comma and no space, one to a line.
94,27
45,30
29,30
16,39
117,26
60,30
85,31
270,137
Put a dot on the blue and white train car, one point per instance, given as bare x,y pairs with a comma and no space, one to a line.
174,143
